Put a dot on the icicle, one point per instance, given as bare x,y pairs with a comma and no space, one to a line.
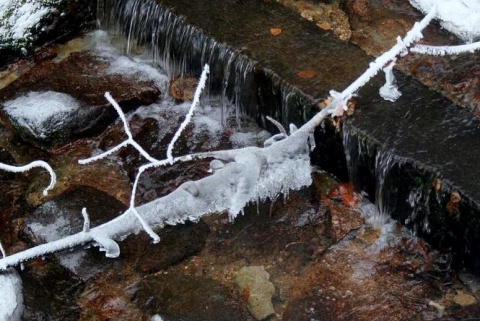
390,91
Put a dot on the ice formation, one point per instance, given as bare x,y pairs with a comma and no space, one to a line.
389,91
461,17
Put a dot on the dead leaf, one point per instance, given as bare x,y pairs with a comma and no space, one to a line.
306,74
275,31
346,193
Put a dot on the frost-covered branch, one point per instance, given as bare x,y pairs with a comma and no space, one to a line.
188,117
24,168
238,176
446,50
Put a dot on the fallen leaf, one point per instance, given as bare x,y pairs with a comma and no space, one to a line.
275,31
346,193
305,74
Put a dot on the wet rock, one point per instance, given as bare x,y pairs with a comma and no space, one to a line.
187,298
9,195
75,106
176,244
183,88
107,296
253,282
353,282
309,307
328,16
6,158
341,220
62,216
359,9
50,291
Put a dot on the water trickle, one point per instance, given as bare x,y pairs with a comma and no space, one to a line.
368,168
384,162
398,187
180,49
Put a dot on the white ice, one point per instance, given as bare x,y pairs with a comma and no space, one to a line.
461,17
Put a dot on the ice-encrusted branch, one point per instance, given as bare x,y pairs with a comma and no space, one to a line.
446,50
86,221
339,103
242,175
128,141
24,168
153,161
188,117
2,250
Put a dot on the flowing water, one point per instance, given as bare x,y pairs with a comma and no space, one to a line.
314,279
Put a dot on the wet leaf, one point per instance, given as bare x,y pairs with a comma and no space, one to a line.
345,193
275,31
305,74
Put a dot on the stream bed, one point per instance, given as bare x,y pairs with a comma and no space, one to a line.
325,250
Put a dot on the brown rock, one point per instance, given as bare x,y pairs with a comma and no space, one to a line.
341,220
183,88
81,76
359,9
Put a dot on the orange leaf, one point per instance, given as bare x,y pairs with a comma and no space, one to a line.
345,193
305,74
275,31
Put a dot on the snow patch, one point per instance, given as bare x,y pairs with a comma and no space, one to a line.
19,17
139,69
461,17
11,296
38,110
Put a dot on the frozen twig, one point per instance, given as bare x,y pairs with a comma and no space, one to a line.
279,126
249,174
188,117
153,162
2,250
86,221
414,35
24,168
446,50
129,141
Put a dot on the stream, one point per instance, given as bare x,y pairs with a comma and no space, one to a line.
325,252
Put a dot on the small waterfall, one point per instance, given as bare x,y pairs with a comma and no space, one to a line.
178,48
399,188
181,49
384,161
